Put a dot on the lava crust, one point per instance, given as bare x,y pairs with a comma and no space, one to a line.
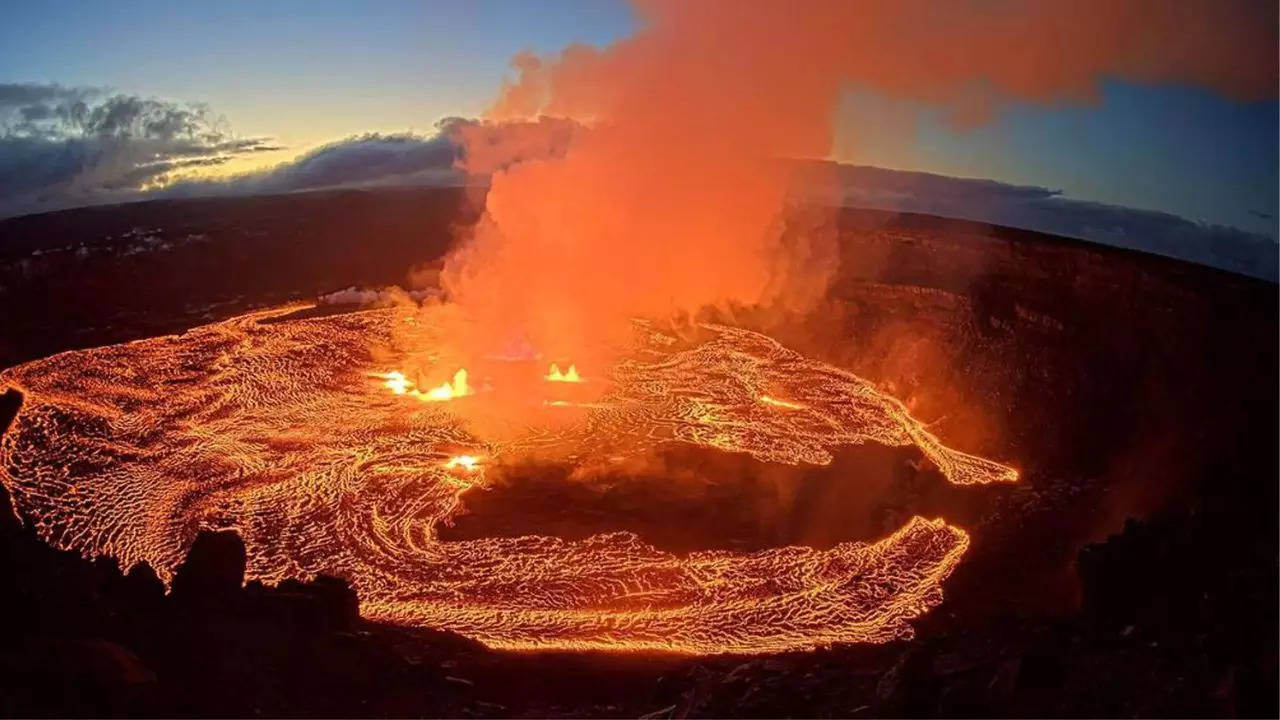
277,427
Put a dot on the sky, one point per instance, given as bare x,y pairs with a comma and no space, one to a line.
1177,149
303,74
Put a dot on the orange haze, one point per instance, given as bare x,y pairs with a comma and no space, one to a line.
671,198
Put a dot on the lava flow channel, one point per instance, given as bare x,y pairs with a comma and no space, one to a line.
279,430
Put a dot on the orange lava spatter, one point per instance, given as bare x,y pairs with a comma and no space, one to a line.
286,431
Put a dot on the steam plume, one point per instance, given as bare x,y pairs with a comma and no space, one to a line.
671,200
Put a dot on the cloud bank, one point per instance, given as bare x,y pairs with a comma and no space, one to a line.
461,149
61,147
1045,210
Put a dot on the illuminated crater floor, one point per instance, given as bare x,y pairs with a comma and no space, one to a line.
280,428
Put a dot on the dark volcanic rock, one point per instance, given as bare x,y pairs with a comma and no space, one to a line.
214,568
326,602
142,588
10,403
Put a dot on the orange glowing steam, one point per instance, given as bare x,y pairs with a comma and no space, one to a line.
671,196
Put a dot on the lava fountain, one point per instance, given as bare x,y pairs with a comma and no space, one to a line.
286,430
397,383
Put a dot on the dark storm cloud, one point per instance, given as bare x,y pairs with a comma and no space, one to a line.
1045,210
62,147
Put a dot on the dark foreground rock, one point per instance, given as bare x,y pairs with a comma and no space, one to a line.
1167,628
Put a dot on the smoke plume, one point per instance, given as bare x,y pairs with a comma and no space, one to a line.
671,199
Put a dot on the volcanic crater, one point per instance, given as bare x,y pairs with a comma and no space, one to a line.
1112,380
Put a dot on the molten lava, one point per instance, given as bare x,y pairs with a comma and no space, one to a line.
401,385
570,375
272,428
463,462
780,403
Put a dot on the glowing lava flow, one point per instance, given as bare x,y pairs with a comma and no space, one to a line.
275,429
570,375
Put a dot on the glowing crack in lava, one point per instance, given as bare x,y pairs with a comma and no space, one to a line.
780,403
274,426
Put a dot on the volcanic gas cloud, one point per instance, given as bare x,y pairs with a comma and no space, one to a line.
673,196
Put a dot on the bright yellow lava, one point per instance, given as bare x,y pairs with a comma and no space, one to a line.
465,462
401,385
274,429
570,375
